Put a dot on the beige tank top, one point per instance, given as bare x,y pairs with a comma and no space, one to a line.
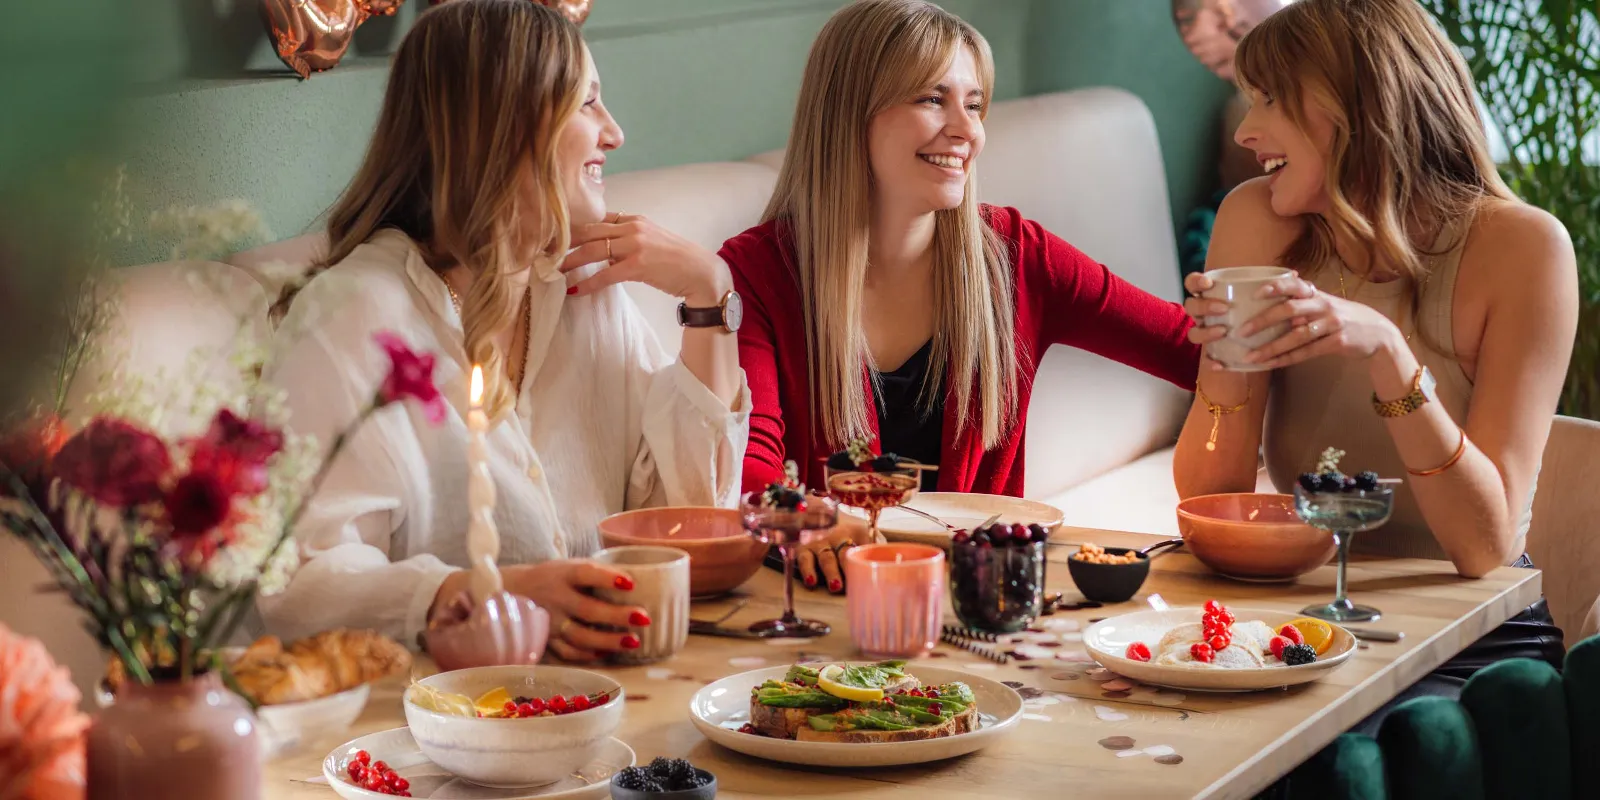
1327,402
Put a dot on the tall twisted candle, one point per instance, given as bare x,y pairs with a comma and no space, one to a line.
483,540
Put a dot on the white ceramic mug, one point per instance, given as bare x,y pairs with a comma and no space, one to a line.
1240,287
661,587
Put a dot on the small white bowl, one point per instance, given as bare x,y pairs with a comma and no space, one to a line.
513,753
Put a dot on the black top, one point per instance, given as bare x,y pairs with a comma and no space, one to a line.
905,427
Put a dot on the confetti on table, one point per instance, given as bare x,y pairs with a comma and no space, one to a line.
1036,717
1032,651
1071,637
1076,656
746,662
1159,750
1169,760
1117,695
658,673
1030,666
786,641
1117,742
1167,698
1065,676
1117,685
1100,674
1130,753
1109,714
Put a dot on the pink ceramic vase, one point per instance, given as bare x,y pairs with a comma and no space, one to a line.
175,740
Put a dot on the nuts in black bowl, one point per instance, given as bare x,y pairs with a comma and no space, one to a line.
997,576
1108,574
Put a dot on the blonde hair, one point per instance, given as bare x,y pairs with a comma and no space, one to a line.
1408,145
871,55
455,140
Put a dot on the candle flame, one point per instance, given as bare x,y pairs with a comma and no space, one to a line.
477,384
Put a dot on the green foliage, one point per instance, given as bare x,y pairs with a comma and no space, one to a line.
1537,67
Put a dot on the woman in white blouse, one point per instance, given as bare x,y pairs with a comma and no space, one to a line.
480,194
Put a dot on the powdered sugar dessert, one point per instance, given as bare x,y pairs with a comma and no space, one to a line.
1218,641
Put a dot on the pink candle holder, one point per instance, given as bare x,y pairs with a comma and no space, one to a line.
896,598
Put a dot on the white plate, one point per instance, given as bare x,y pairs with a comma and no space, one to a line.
397,749
1108,639
963,510
719,710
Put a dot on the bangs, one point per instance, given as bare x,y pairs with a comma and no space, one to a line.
1267,58
922,49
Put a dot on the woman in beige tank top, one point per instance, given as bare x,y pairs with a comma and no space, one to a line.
1414,262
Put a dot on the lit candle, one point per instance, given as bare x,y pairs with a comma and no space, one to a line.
483,540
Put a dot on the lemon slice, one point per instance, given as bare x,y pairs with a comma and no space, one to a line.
441,702
829,680
1317,633
493,702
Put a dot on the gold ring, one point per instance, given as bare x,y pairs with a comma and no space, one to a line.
616,217
561,630
609,258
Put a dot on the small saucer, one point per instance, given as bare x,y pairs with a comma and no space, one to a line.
397,749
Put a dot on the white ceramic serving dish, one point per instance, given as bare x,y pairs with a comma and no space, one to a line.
962,510
1108,639
516,752
397,748
719,709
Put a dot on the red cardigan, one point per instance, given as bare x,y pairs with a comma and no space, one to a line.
1063,297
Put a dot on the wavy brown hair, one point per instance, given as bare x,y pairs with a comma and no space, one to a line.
478,91
1409,153
869,56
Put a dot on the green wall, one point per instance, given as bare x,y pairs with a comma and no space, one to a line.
690,80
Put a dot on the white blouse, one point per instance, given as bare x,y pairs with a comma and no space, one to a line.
606,422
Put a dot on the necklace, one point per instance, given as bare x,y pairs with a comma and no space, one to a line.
521,334
1346,295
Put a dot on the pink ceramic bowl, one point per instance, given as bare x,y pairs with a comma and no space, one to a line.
722,554
1252,537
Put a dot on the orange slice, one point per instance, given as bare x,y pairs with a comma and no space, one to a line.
1317,633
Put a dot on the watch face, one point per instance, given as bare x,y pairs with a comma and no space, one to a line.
1427,385
733,311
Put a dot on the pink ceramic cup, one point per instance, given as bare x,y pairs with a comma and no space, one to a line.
895,598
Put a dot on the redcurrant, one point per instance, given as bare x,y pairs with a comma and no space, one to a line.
1138,651
1202,652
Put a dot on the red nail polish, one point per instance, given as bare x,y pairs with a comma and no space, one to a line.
639,618
811,580
834,586
623,583
630,642
572,290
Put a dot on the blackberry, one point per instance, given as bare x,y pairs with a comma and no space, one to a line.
695,780
841,461
679,773
1332,482
1296,654
660,766
1367,481
1311,481
888,462
636,778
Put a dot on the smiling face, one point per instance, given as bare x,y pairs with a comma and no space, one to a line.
581,150
921,150
1296,159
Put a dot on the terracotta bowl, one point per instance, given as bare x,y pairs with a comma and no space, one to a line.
721,554
1252,537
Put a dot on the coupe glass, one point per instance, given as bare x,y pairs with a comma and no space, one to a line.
1343,514
873,492
788,529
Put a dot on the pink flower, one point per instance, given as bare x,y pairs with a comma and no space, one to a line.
236,450
116,463
410,377
41,729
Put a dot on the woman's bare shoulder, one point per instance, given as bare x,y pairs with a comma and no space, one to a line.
1515,247
1247,231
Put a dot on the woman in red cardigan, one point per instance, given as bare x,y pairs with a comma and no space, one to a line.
881,300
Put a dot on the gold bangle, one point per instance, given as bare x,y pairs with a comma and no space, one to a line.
1461,450
1217,412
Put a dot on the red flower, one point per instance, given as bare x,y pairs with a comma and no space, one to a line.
410,377
116,463
199,502
236,450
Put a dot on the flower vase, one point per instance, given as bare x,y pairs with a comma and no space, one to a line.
175,740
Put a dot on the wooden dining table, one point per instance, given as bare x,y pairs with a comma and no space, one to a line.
1086,733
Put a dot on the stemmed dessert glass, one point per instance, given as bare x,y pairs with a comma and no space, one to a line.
786,529
873,491
1343,513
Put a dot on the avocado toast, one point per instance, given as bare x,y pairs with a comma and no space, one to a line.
859,704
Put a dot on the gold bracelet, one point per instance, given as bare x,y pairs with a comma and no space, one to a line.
1217,412
1461,450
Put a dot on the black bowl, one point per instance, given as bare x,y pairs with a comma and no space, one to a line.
1109,583
706,792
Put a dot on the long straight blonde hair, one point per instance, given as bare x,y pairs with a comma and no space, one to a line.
478,91
871,55
1409,149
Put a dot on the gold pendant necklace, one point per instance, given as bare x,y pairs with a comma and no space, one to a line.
523,334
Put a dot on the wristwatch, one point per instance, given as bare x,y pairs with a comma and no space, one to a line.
1422,393
726,315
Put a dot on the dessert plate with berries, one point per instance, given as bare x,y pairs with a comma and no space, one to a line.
389,764
957,511
1217,648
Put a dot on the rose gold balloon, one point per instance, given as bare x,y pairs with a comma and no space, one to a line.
311,35
575,10
381,8
1211,29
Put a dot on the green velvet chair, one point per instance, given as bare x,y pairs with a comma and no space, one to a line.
1520,730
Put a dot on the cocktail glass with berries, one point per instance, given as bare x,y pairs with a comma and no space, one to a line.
786,517
1343,507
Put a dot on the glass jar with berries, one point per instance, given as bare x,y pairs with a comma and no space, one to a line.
997,576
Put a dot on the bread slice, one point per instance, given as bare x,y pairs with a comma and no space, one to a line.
785,723
965,722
